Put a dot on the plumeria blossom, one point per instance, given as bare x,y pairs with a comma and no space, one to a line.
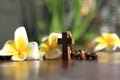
49,46
19,48
108,41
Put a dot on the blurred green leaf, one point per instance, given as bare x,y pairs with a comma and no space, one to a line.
56,8
79,23
80,29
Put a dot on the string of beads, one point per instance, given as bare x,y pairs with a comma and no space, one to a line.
83,55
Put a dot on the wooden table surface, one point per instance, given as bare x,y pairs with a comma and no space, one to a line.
102,69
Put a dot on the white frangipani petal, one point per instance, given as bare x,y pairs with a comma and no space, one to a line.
55,54
45,38
21,38
97,48
33,52
114,48
2,53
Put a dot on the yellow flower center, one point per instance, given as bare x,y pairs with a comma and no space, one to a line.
110,41
51,47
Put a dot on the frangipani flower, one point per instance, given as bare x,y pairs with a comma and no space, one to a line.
50,47
109,41
19,48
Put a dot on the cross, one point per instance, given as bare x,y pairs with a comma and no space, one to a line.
66,42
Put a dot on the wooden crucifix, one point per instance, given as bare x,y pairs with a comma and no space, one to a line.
66,42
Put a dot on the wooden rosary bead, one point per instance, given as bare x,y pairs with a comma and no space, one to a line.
94,55
75,55
82,54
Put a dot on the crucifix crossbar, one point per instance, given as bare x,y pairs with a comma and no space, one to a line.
66,42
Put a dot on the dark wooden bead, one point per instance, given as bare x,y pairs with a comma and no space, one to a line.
82,54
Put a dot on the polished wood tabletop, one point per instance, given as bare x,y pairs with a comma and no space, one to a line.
107,67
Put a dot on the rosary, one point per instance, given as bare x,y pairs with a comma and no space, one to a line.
68,53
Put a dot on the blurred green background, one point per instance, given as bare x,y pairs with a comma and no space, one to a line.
85,19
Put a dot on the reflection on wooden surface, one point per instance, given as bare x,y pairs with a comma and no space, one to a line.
61,70
18,70
109,57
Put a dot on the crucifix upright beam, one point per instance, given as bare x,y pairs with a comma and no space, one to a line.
66,42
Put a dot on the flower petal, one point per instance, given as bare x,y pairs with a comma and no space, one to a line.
116,40
111,47
21,38
32,50
44,44
100,46
114,48
42,50
115,35
99,39
107,36
19,57
55,53
53,38
45,38
9,48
